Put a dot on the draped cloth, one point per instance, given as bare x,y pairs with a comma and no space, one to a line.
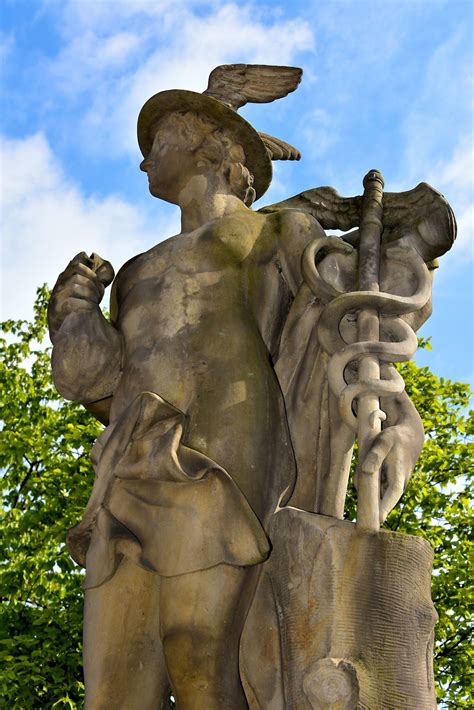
166,506
322,443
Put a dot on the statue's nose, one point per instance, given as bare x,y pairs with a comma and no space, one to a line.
144,165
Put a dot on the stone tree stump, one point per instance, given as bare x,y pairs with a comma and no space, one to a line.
342,619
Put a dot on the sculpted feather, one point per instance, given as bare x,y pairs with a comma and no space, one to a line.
420,218
278,149
239,84
325,204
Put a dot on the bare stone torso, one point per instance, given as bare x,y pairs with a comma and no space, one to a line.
199,315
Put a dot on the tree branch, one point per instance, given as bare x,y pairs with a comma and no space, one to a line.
460,638
33,467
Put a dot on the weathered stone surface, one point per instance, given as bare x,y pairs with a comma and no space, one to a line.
243,355
351,614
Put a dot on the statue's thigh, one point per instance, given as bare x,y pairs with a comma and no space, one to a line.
202,617
212,602
123,658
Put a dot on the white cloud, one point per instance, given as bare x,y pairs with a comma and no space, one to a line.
455,178
101,15
439,137
444,104
46,220
175,48
79,65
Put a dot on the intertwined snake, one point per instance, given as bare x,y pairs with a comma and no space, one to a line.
390,308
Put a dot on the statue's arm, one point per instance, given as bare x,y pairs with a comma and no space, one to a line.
87,349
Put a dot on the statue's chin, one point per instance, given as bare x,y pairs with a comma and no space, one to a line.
161,194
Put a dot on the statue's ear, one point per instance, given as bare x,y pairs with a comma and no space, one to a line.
250,196
241,182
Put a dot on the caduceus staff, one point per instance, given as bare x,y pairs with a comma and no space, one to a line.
367,301
383,336
398,233
370,350
369,414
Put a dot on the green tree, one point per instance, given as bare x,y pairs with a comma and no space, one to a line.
439,506
44,456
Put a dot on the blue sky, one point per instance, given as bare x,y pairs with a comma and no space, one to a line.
386,85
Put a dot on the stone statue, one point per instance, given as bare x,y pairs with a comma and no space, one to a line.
241,359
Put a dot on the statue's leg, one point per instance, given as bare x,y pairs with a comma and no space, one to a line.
124,666
201,619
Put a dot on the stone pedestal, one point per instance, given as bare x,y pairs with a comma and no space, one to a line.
341,619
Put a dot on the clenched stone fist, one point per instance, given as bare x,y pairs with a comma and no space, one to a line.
79,287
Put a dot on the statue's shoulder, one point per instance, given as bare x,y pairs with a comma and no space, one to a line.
291,219
147,258
292,229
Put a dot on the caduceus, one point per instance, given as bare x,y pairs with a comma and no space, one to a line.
415,226
369,414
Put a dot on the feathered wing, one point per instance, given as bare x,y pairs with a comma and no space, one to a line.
325,204
420,218
278,149
238,84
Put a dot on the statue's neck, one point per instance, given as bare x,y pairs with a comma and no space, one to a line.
202,201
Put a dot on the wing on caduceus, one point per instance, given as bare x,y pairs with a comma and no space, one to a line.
420,218
326,205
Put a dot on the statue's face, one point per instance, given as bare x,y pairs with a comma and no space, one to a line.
169,165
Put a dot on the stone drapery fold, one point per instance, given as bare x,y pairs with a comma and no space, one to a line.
150,486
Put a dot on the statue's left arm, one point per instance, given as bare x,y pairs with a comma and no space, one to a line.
87,348
419,221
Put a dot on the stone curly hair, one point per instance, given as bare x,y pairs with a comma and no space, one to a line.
216,145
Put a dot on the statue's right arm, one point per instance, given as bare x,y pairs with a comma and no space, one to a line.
87,349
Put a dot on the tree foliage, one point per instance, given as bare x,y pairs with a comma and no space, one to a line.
44,457
47,477
438,505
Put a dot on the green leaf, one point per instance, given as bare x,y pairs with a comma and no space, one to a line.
47,477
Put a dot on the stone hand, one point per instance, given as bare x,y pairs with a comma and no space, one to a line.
80,287
395,451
